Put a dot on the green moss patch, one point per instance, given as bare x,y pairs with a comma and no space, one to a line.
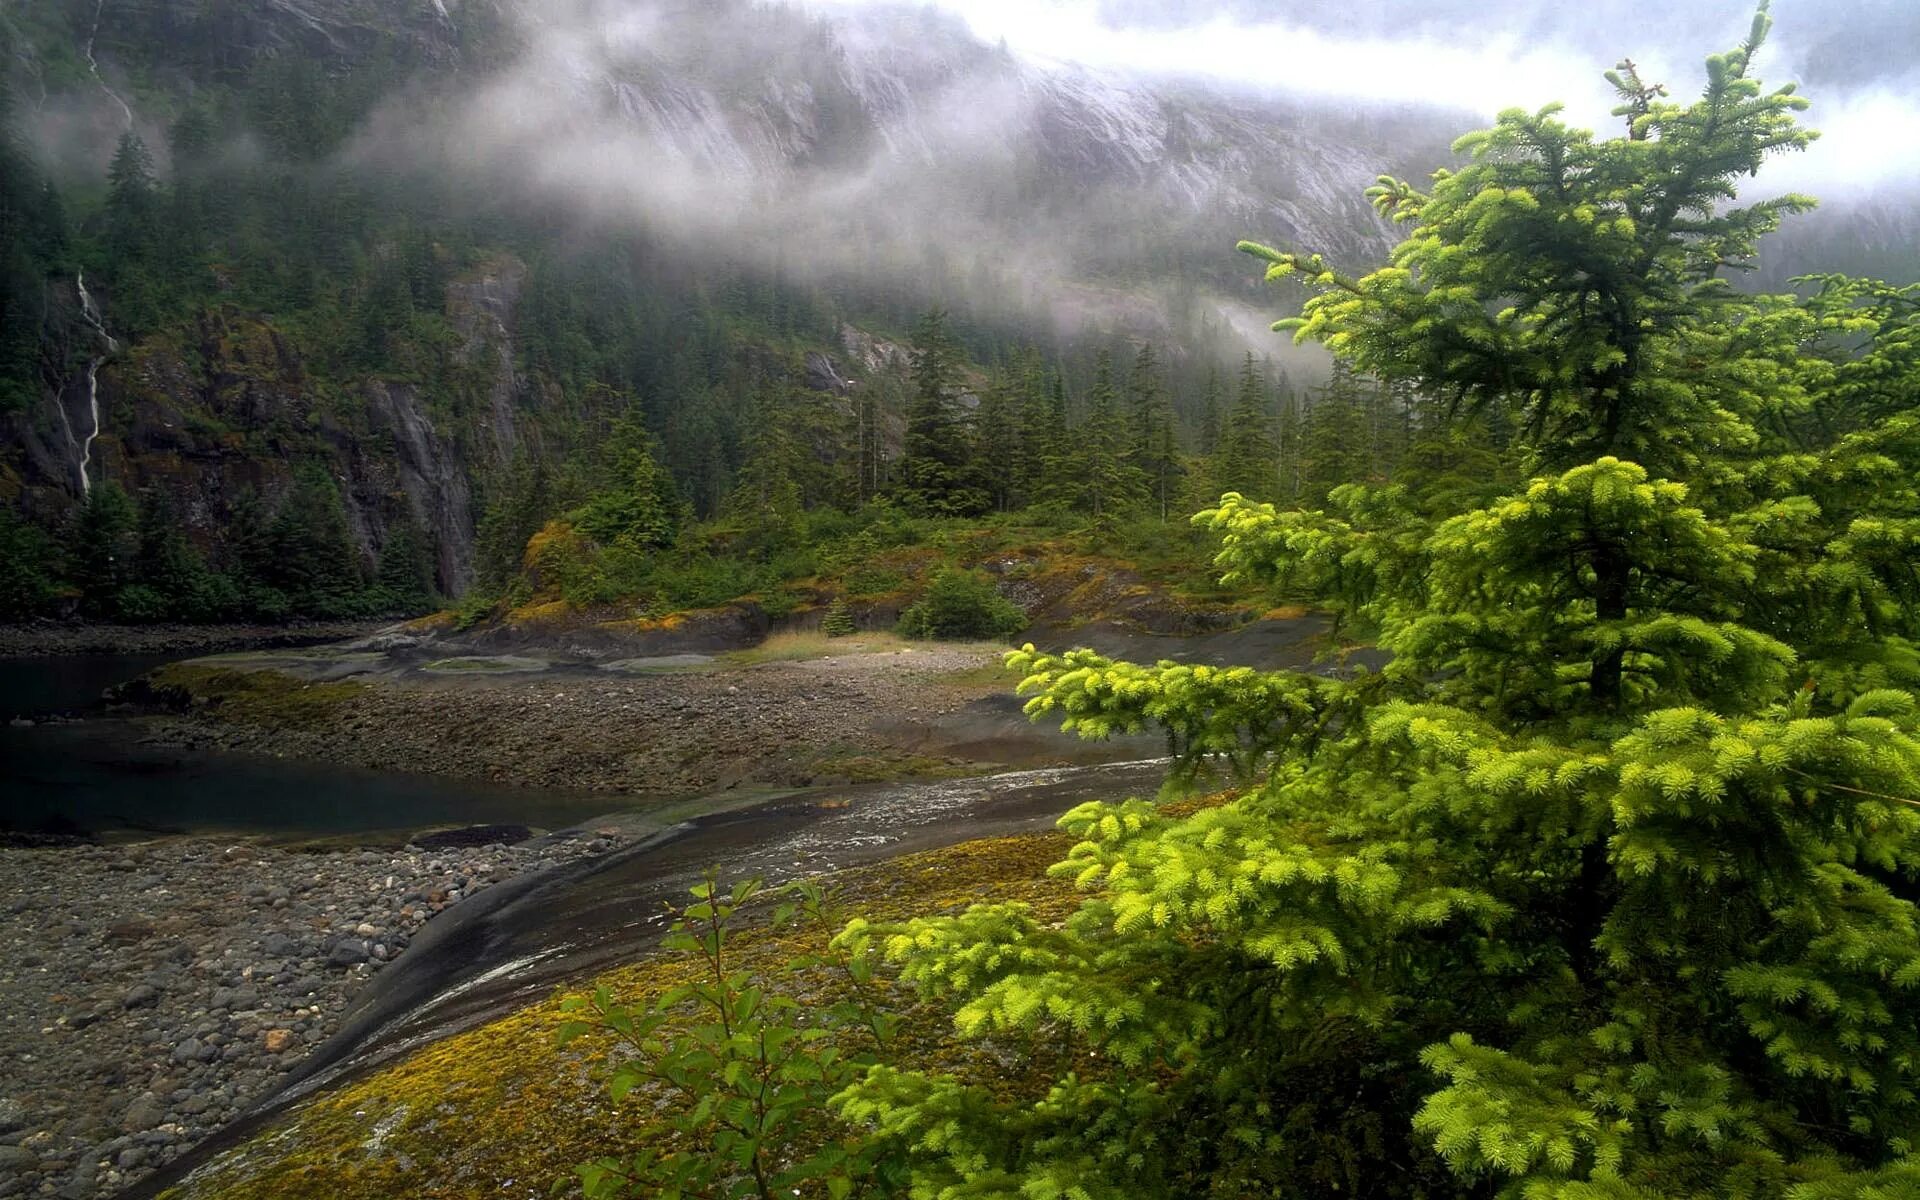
500,1112
264,698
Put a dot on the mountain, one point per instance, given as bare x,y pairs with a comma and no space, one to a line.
426,243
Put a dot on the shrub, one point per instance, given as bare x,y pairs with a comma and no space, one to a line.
963,604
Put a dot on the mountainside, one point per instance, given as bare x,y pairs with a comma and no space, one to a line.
422,245
859,168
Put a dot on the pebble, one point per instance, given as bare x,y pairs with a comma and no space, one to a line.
191,974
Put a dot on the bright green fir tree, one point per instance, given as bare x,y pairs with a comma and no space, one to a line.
1604,888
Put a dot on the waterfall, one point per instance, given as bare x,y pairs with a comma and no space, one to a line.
125,112
92,315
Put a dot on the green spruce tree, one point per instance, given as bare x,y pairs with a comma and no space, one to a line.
937,473
1605,886
1247,461
1155,450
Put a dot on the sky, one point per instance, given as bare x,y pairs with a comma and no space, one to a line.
1858,60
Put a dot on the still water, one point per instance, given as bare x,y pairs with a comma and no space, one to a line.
95,777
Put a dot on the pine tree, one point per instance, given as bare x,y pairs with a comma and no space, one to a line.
838,620
169,564
637,505
998,445
314,560
1212,416
1604,887
132,200
936,474
1247,460
1097,474
767,490
404,570
1155,450
1336,437
104,547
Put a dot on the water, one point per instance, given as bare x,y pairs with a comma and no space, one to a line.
67,683
95,777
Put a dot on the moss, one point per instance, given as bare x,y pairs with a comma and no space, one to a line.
498,1111
543,612
265,698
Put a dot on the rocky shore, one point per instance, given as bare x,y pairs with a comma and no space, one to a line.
849,718
152,991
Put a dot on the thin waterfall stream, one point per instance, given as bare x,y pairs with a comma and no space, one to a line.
93,382
126,113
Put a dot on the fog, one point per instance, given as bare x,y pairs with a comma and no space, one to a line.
1858,60
1078,159
1085,163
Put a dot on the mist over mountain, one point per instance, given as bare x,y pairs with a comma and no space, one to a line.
596,207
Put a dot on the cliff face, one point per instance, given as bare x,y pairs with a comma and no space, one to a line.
228,406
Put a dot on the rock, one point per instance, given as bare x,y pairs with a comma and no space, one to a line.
236,998
132,1158
363,929
140,995
279,945
188,1051
474,835
278,1041
347,952
126,933
143,1114
13,1115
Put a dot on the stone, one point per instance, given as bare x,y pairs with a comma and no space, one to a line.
17,1158
187,1051
132,1158
236,998
347,952
279,945
13,1115
278,1041
140,995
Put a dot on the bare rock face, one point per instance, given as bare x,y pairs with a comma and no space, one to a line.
483,309
432,477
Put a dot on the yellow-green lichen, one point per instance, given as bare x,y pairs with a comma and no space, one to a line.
269,699
500,1112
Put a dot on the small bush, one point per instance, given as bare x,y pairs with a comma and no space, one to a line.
963,604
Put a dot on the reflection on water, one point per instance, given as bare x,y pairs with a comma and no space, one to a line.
69,682
91,778
94,777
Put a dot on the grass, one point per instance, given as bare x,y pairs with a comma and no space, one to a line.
803,645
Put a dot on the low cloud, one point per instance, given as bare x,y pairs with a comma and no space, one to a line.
1484,56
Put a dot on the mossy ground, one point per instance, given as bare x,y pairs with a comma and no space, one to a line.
500,1112
267,699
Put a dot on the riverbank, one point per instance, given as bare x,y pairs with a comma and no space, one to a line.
46,638
153,991
867,711
497,1110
